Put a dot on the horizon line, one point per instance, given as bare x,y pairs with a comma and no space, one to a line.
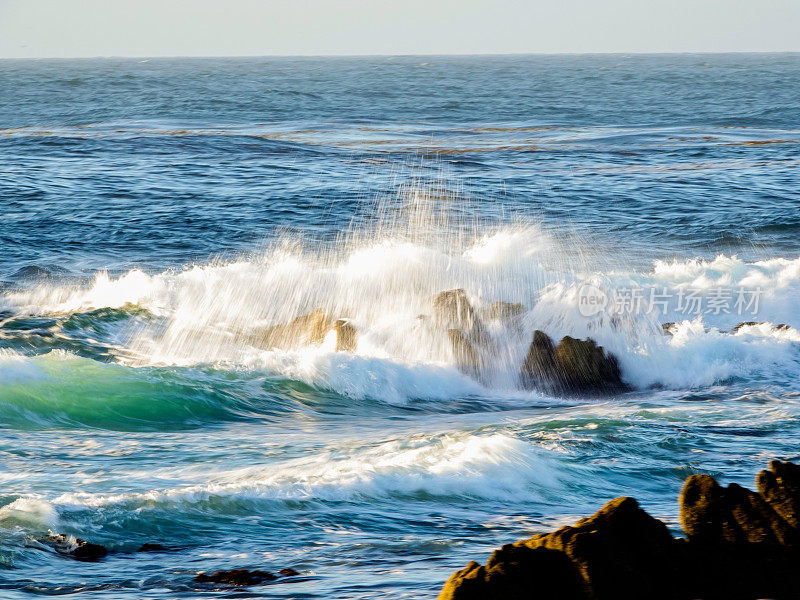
399,55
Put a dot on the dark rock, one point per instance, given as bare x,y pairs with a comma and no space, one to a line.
711,514
517,571
452,308
667,327
76,548
583,366
151,547
619,553
540,364
573,367
288,572
780,487
88,551
346,339
741,545
238,577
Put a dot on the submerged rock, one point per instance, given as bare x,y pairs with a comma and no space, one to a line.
238,577
152,547
244,577
573,367
740,545
76,548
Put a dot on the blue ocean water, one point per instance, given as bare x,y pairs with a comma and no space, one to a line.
157,214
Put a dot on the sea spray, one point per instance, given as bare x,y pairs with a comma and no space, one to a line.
383,278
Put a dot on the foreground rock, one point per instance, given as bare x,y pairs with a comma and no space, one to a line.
579,367
740,544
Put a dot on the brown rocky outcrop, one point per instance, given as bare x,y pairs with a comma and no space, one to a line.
620,552
346,338
453,311
502,311
740,545
572,367
467,358
302,331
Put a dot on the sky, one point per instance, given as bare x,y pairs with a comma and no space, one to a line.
144,28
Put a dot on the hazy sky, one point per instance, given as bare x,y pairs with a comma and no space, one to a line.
50,28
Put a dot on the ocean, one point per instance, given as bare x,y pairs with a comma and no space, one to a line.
158,215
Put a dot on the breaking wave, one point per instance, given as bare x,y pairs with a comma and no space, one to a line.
383,284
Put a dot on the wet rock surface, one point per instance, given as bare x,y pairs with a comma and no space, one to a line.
303,330
453,310
739,544
502,311
346,336
573,367
778,327
76,548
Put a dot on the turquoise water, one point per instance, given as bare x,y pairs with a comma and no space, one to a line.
158,214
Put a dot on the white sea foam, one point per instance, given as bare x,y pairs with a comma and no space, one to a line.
18,368
494,466
385,282
29,513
